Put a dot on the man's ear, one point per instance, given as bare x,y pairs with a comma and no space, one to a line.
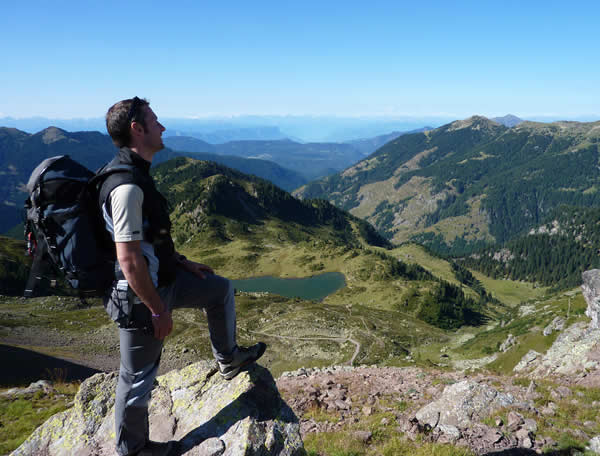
136,129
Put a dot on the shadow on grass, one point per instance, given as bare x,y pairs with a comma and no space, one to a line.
20,367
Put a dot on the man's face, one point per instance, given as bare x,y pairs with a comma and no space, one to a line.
154,129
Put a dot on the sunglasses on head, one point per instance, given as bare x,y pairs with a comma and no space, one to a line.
133,110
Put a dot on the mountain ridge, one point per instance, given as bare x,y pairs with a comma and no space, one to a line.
470,181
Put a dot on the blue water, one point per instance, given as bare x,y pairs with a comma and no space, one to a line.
313,288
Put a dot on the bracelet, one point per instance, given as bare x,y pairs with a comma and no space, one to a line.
155,315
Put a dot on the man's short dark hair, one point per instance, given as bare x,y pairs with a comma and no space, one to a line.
119,118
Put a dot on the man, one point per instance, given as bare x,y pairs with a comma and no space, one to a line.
152,278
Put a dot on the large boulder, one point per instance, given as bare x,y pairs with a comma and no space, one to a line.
591,293
462,404
206,414
574,351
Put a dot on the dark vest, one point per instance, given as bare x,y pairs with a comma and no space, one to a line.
155,209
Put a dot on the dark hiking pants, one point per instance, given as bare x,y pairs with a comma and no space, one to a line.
140,351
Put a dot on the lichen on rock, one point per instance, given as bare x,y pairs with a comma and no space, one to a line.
192,406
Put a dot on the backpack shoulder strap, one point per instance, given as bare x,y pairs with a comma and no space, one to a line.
110,177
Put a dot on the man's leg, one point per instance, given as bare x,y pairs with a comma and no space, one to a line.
140,356
214,294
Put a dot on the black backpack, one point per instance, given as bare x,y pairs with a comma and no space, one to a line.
64,227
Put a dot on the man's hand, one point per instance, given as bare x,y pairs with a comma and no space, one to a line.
197,268
163,325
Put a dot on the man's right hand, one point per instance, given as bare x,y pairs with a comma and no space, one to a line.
163,325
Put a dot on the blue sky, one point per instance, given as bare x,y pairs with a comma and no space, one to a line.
65,59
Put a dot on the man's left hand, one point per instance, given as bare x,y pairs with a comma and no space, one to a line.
198,269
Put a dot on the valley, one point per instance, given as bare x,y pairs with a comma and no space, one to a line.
401,306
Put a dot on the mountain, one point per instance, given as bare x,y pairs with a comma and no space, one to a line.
222,134
188,144
312,160
369,145
554,253
508,120
469,183
21,152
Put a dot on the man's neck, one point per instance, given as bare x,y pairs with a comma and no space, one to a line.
143,153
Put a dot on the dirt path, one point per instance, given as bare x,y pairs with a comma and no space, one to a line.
335,339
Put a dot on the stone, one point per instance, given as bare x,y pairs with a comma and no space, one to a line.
508,343
492,436
193,406
594,444
43,386
591,293
363,436
210,447
530,425
462,403
514,420
451,432
384,422
558,324
527,361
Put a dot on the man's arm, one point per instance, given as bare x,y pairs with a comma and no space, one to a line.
134,267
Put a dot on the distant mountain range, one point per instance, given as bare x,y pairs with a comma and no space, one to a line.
311,160
218,130
21,152
469,183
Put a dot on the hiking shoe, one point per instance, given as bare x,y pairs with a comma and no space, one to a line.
242,357
159,449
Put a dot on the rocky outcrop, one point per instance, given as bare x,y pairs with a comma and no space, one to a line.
193,406
575,353
461,404
591,293
508,343
41,386
572,353
558,324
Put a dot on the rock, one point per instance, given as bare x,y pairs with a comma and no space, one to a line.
384,422
210,447
509,342
341,405
492,436
594,444
514,420
558,324
43,386
499,422
573,352
591,293
363,436
527,361
462,403
452,433
530,425
206,414
531,394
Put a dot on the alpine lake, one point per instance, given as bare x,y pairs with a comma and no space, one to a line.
314,288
